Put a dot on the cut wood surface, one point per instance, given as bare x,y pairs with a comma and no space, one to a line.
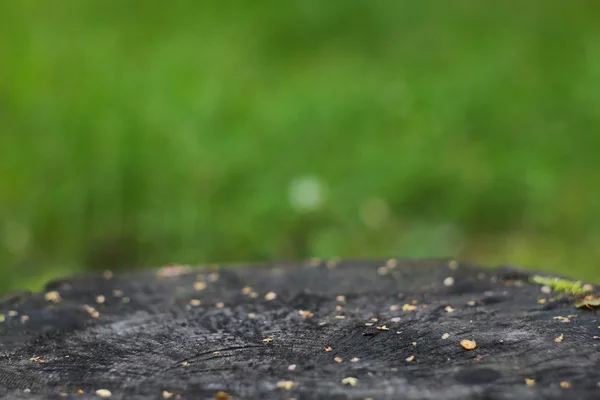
388,329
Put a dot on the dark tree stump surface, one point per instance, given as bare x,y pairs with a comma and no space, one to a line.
143,336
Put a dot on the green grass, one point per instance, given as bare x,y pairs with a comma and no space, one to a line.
137,133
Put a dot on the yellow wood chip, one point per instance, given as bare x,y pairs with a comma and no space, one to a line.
246,290
350,381
199,286
339,317
53,296
222,396
394,308
103,393
408,307
220,305
449,309
270,296
355,359
167,395
327,349
341,299
565,385
287,385
292,367
449,281
383,328
468,344
530,382
410,359
195,302
100,299
268,340
445,336
338,359
559,339
251,315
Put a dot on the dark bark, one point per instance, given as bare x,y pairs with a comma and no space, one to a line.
158,341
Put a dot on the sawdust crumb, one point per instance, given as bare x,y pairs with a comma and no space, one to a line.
355,359
305,314
167,394
268,340
246,290
530,382
341,298
100,299
383,328
350,381
287,385
327,349
445,336
199,286
252,315
104,393
410,358
222,396
270,296
409,307
468,344
560,338
292,367
220,305
195,302
449,309
53,296
565,385
338,359
449,281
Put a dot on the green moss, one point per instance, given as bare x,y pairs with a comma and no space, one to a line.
574,288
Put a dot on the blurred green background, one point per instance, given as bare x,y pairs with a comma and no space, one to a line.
139,133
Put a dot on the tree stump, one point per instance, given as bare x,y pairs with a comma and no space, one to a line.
391,329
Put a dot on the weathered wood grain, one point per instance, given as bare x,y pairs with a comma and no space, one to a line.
150,335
